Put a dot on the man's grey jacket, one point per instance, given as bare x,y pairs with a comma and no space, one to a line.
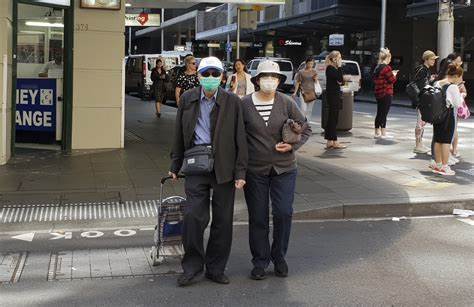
229,142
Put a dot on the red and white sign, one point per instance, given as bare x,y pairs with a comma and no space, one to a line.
142,20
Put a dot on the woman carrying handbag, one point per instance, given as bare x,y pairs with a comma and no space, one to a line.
306,80
276,129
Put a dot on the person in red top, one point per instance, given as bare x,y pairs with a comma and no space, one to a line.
384,78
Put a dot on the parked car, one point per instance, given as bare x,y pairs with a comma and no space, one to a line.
138,72
286,68
349,68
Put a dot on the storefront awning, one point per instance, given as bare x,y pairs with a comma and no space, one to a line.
337,17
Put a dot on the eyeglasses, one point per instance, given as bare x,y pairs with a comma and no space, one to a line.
214,73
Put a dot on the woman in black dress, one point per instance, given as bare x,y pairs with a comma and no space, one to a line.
158,76
188,79
334,79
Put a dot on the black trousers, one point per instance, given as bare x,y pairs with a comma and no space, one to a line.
334,102
383,106
260,191
196,219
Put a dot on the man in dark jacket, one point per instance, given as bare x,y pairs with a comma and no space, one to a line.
210,116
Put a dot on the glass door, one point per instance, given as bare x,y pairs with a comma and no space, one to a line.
39,76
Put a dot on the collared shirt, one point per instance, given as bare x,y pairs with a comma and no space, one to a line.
202,135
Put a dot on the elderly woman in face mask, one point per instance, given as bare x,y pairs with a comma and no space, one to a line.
271,172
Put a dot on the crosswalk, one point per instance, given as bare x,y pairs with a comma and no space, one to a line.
78,211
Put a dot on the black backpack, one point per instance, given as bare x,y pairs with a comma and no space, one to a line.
432,104
415,87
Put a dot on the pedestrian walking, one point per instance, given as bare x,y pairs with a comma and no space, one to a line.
211,147
271,173
305,81
423,76
159,76
384,79
334,80
188,79
444,131
240,82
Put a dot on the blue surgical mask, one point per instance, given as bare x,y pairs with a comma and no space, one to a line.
210,84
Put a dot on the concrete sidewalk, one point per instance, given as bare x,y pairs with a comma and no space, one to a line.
369,178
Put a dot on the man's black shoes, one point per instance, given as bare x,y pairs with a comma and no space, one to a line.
219,278
187,279
257,273
281,269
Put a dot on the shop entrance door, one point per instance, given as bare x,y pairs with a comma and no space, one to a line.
42,79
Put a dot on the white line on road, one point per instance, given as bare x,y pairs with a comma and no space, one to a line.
467,221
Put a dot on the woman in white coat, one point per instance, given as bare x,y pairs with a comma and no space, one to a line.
239,83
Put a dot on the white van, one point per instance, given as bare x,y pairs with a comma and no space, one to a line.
138,71
350,69
286,68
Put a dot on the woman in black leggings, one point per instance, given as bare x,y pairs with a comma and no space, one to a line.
384,78
334,79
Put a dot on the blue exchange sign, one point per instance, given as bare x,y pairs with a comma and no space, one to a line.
36,105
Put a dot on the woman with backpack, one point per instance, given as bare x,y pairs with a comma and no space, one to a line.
384,79
463,111
444,130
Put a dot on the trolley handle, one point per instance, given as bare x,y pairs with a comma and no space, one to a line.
164,179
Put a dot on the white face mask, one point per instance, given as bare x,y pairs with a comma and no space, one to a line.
268,84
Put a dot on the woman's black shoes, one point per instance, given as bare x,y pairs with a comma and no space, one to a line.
158,114
281,269
257,274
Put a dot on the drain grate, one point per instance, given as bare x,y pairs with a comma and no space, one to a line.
11,267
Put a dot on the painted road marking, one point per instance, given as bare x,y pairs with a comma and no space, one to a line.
11,267
25,237
78,211
86,234
467,221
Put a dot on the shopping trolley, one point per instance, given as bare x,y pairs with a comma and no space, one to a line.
169,229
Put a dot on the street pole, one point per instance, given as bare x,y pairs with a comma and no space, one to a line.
383,22
238,33
229,21
129,40
445,28
162,30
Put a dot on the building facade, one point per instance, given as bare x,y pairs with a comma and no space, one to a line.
61,78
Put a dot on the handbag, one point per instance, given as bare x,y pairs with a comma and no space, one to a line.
198,160
463,111
309,96
292,130
318,89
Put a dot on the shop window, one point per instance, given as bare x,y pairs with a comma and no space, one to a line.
285,66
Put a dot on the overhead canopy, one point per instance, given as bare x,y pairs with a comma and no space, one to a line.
177,4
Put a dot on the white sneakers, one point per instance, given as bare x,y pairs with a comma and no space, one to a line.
444,170
453,160
421,149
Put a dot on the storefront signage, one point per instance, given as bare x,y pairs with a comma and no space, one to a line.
101,4
36,105
257,45
336,40
142,20
56,2
289,42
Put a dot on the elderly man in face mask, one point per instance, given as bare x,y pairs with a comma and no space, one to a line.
210,148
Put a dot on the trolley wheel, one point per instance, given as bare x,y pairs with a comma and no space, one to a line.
156,259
